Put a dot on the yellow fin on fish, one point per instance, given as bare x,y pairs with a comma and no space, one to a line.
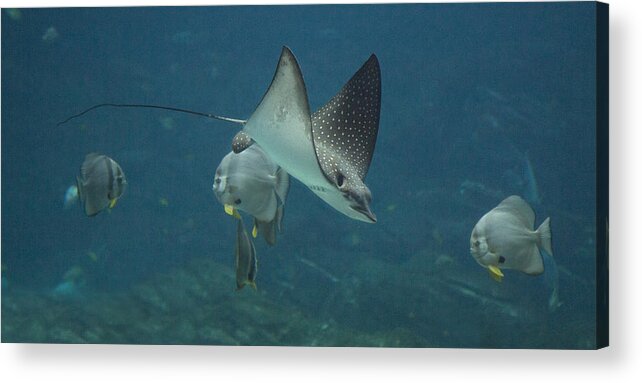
254,231
112,203
495,273
229,209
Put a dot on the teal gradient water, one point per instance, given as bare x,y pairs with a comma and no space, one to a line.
479,101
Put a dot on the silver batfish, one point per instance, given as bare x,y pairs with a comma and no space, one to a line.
100,184
251,182
504,239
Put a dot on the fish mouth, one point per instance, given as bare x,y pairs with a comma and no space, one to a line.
366,215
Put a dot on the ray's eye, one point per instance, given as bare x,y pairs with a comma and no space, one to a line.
340,179
238,201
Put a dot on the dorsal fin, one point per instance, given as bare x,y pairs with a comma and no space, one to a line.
520,208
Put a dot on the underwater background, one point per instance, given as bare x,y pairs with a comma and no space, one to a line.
479,101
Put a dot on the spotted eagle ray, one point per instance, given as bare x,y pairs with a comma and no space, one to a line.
329,151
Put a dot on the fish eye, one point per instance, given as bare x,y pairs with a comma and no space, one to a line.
217,180
238,201
340,179
502,259
476,243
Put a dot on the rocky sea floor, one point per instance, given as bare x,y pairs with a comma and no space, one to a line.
430,300
193,305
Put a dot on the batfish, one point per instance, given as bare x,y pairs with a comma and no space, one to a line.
100,184
249,181
504,239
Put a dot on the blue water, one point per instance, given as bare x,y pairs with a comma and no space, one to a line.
469,92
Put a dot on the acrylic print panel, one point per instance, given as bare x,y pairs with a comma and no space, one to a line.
392,188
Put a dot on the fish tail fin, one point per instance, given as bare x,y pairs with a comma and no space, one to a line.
544,236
